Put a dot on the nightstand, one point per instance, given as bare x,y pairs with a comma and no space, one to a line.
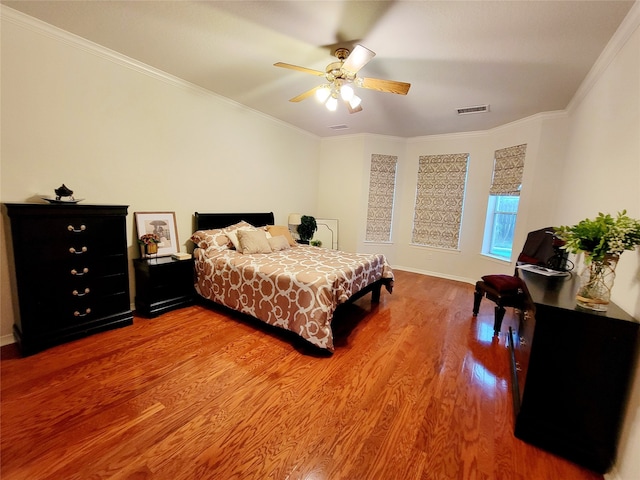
163,284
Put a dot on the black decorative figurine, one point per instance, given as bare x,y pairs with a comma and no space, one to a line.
63,191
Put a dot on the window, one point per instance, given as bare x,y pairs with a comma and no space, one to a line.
439,199
504,199
382,187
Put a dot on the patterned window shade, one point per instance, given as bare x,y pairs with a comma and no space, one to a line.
507,171
382,186
439,199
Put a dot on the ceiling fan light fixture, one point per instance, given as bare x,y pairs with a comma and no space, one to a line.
346,92
332,104
342,77
355,101
323,93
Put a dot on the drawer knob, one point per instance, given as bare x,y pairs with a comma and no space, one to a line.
78,314
73,229
78,294
84,271
82,250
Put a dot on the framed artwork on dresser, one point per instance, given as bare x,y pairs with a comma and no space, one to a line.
161,224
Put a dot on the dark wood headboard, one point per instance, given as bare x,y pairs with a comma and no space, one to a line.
209,221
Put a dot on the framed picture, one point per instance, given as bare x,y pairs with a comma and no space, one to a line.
163,224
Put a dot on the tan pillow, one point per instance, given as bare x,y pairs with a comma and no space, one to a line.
252,241
276,230
232,232
279,242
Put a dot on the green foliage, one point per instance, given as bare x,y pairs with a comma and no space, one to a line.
601,236
307,228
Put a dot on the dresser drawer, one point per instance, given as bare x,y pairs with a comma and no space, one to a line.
69,268
73,312
52,237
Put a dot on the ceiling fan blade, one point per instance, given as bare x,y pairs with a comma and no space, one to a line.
300,69
357,59
305,95
390,86
353,110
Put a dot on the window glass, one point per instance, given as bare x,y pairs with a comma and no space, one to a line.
503,224
504,198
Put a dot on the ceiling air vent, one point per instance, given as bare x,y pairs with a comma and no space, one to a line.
470,110
339,127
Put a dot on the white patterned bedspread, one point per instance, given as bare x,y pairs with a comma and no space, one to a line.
296,289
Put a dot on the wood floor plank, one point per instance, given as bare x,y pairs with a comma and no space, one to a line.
417,389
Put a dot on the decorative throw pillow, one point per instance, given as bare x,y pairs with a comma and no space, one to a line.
503,283
232,232
279,242
276,230
208,240
252,241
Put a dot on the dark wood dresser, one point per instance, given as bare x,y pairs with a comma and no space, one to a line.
71,272
572,371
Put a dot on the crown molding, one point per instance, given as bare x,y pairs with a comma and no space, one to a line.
619,39
75,41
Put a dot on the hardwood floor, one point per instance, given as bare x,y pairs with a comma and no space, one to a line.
416,389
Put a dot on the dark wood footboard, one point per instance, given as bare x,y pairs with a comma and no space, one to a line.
375,289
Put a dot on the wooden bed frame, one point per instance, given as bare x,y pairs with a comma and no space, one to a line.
209,221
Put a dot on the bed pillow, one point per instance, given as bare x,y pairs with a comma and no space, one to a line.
252,241
209,240
279,242
232,232
276,230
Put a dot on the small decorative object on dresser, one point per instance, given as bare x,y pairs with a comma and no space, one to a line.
75,283
158,228
63,195
64,191
602,240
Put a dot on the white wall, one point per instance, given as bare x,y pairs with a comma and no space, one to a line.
602,174
543,135
578,163
117,132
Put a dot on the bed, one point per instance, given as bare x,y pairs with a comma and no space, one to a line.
294,287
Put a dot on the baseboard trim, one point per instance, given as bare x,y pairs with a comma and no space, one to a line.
435,274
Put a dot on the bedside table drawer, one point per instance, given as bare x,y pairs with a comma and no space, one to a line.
163,284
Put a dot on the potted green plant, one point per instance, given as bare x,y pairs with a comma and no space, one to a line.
602,240
307,228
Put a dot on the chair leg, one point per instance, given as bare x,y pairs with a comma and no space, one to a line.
477,297
497,324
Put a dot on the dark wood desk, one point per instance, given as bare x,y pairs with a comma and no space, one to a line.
572,370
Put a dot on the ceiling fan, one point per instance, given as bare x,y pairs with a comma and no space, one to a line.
342,77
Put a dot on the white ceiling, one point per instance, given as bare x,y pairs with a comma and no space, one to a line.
520,57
